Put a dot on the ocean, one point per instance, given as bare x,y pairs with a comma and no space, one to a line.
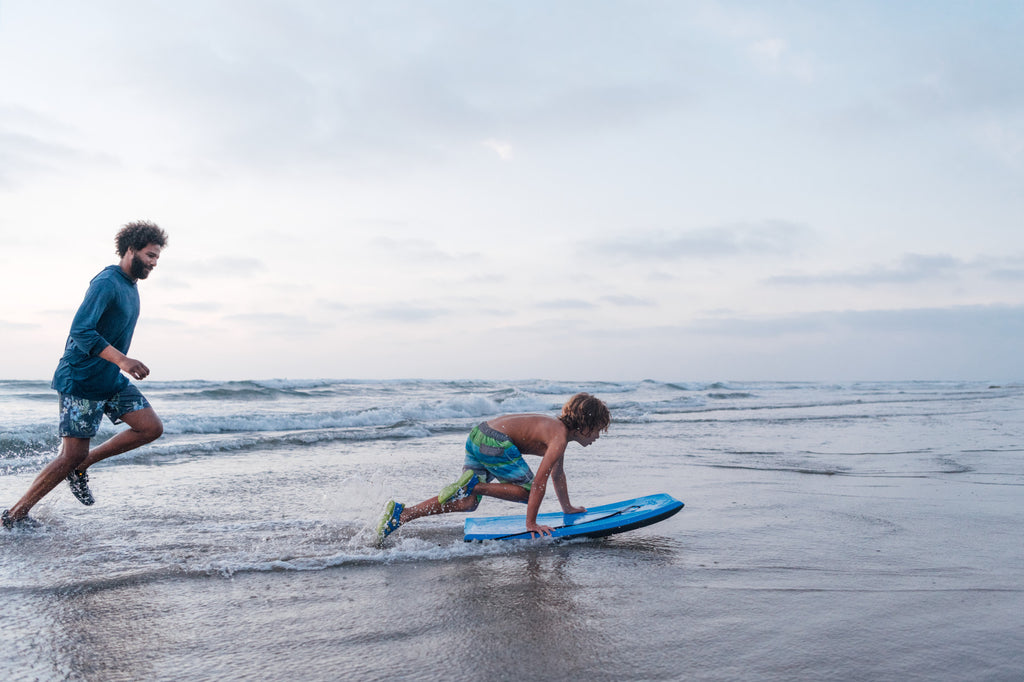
849,531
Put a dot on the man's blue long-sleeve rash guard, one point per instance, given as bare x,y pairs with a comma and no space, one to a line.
106,317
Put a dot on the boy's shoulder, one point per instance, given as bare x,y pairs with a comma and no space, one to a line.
529,428
525,419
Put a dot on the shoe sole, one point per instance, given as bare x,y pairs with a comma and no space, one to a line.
450,491
389,513
24,523
85,498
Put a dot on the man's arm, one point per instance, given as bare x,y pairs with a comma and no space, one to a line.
84,326
85,335
131,367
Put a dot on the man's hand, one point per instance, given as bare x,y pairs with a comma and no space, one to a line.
134,368
130,366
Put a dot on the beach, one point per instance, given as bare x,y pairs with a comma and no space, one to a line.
855,531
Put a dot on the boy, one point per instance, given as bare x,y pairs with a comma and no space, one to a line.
494,464
89,379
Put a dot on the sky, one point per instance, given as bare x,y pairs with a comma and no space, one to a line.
472,189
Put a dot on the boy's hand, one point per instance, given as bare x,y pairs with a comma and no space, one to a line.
537,530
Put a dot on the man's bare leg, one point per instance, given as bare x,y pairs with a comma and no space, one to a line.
145,427
72,453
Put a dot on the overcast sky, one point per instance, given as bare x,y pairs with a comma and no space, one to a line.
612,190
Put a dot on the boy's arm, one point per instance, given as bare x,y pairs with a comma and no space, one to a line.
552,458
562,488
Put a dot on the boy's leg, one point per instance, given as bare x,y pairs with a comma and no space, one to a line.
512,492
73,452
503,491
432,506
146,427
462,487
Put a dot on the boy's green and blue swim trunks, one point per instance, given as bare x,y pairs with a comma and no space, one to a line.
493,455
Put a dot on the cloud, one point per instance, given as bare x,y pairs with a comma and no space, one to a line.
164,322
278,323
1003,137
993,321
775,56
1008,274
943,343
22,155
770,238
407,313
501,148
416,250
334,306
769,51
295,83
628,301
197,307
221,267
656,135
566,304
911,268
18,326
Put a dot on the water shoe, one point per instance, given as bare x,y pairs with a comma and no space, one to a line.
391,520
25,522
460,489
79,482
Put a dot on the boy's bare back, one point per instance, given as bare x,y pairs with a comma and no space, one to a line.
533,434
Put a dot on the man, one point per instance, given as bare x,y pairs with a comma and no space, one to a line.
89,379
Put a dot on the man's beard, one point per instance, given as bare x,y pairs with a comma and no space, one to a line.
139,269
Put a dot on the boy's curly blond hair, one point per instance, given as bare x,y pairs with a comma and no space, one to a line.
585,413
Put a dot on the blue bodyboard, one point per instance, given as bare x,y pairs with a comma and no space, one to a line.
596,522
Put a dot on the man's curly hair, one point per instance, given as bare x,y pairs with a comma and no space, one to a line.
585,413
138,235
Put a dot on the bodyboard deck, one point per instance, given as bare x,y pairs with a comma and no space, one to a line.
596,522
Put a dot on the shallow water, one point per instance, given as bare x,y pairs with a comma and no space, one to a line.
862,531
